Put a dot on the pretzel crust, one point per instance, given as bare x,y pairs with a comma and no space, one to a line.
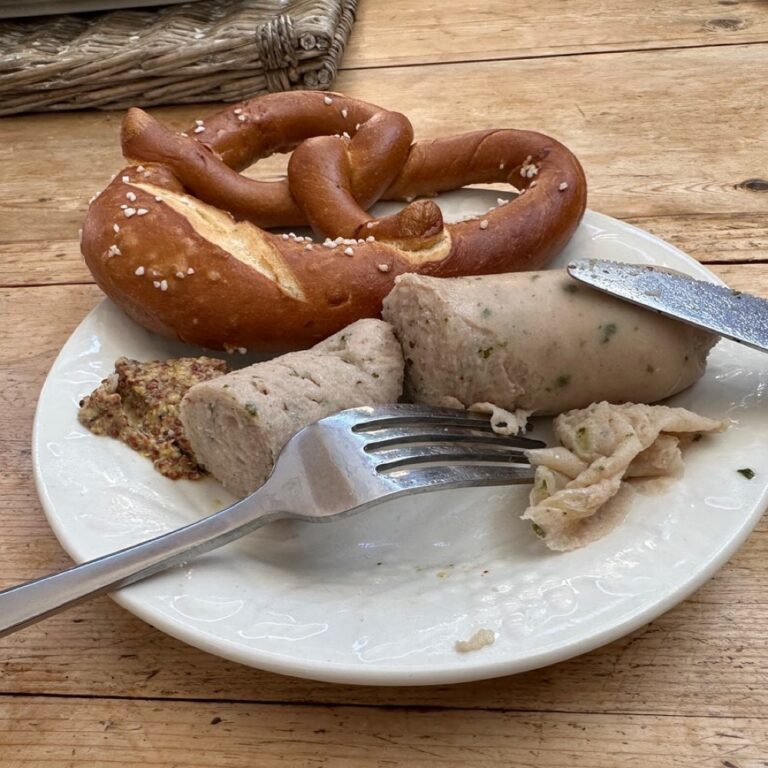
176,238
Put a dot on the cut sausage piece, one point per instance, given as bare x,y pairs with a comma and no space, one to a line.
536,341
238,423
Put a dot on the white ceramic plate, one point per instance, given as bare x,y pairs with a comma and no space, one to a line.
383,597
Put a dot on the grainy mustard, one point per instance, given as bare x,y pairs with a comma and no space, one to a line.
139,405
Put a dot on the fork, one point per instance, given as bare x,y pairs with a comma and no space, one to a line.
333,468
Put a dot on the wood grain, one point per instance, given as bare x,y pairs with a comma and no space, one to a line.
404,32
751,278
708,238
646,153
712,238
36,732
42,262
648,157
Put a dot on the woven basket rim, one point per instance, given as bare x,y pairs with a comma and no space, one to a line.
298,44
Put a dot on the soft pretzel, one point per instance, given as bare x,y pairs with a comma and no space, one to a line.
176,238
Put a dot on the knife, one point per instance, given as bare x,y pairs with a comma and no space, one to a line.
733,314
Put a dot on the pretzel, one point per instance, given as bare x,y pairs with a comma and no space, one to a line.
177,238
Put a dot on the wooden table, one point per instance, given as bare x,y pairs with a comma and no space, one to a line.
666,105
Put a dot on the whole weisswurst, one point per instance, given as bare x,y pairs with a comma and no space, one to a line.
536,341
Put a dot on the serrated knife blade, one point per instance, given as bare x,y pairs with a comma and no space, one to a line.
733,314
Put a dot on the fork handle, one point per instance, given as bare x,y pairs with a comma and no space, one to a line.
32,601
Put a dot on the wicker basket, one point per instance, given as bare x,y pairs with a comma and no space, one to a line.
211,50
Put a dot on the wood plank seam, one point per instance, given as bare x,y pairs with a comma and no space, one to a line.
405,708
46,285
543,56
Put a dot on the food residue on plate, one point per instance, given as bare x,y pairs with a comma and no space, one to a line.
599,447
139,405
479,640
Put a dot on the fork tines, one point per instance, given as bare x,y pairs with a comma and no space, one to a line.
414,418
396,437
463,453
405,414
420,479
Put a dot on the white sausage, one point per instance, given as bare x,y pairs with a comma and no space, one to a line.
238,423
536,341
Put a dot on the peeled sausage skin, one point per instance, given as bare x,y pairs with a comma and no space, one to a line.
237,424
536,341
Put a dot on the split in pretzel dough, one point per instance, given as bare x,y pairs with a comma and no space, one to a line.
601,446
